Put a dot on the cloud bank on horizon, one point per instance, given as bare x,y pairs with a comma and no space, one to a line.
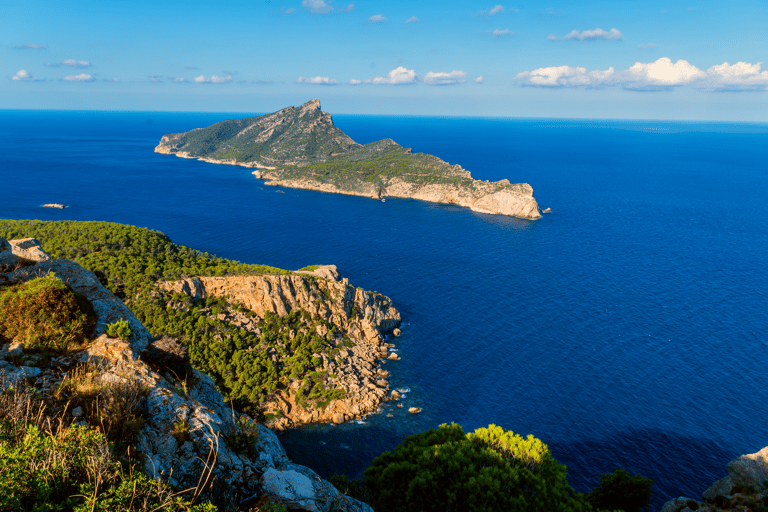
518,52
661,75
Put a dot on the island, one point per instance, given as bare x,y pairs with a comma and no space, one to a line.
299,147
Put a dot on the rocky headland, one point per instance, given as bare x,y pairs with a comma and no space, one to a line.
363,320
299,147
205,454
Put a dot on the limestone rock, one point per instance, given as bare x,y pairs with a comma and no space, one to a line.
414,410
750,470
29,249
720,488
680,505
393,356
747,470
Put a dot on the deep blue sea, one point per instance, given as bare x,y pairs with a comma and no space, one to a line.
625,329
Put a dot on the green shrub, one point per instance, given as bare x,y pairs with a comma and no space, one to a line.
45,313
120,329
621,491
447,469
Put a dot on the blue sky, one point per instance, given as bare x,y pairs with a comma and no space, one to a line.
646,59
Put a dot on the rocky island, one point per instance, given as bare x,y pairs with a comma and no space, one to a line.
299,147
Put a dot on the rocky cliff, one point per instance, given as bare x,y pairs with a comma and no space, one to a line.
205,456
301,148
360,319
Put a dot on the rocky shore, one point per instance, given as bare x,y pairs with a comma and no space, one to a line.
495,198
364,319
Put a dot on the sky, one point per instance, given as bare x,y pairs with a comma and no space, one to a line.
629,59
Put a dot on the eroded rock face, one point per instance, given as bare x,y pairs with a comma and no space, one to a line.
364,317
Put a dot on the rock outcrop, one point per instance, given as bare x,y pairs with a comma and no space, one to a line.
364,318
205,454
745,487
301,148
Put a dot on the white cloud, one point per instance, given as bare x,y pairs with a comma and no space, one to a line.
551,37
30,47
82,64
499,33
317,80
741,76
290,10
213,79
398,76
317,6
23,75
479,79
412,19
355,81
82,77
661,75
493,11
179,80
351,7
565,76
645,46
112,80
377,18
452,78
592,35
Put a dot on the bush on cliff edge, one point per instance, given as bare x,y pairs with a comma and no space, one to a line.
45,313
446,469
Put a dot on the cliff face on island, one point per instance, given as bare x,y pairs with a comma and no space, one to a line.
301,148
203,456
359,320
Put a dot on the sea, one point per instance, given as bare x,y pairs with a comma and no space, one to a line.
626,329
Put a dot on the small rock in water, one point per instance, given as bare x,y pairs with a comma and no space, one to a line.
414,410
393,356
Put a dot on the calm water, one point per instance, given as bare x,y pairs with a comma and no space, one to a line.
625,329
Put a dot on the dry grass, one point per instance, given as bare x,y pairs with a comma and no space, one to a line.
111,403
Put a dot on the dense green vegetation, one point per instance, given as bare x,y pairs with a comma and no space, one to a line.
490,469
620,490
45,314
247,367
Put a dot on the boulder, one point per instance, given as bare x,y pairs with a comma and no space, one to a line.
393,356
749,470
29,249
681,505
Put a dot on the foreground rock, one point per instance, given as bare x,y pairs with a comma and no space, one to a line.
363,320
745,488
301,148
205,453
